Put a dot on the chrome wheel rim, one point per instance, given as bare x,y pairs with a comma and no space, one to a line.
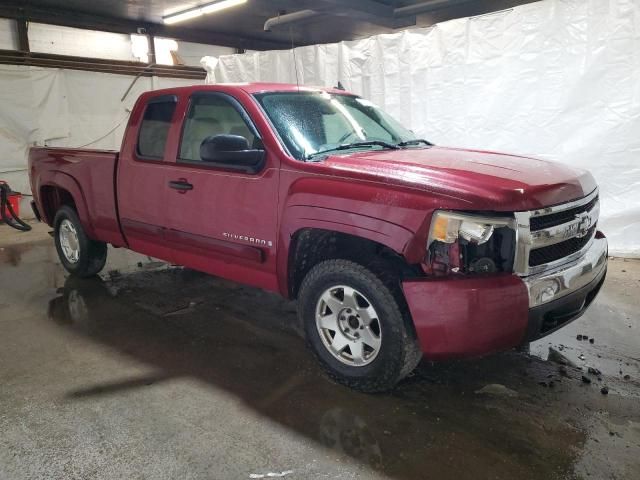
348,325
69,242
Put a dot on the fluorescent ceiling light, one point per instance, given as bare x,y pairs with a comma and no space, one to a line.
221,5
182,16
201,10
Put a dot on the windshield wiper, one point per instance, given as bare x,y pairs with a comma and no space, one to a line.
347,146
415,141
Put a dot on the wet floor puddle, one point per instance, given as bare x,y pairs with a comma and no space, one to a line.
247,343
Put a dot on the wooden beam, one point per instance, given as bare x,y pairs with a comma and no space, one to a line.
23,35
152,49
12,57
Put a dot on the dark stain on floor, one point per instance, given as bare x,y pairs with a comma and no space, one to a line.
158,325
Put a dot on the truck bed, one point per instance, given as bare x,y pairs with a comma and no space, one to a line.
90,176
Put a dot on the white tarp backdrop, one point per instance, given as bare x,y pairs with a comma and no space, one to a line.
557,79
54,107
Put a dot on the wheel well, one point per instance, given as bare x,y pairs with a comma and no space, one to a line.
52,198
311,246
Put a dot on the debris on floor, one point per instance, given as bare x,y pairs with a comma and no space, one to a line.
497,390
271,474
556,357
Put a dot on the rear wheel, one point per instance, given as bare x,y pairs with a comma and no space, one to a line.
355,326
78,254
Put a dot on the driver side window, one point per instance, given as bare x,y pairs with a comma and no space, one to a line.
210,115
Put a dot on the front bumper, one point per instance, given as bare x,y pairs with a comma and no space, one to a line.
473,316
559,297
566,280
549,317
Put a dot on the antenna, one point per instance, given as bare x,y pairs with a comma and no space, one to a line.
295,65
295,62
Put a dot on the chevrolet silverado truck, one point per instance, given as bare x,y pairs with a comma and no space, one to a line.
395,249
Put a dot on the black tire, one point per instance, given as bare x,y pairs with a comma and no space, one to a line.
399,352
93,254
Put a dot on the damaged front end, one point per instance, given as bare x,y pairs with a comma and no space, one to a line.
495,281
461,243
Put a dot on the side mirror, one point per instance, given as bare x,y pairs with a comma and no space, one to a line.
232,151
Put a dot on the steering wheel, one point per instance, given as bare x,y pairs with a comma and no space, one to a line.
345,136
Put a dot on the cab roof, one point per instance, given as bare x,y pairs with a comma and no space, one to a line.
250,88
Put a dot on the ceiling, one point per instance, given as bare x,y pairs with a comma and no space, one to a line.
242,26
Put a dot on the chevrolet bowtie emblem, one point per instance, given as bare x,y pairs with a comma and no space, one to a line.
584,224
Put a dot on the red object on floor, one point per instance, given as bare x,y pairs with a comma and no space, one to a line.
14,199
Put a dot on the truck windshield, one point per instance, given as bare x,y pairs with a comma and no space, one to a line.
311,123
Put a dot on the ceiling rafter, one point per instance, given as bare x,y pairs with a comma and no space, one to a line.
366,6
242,27
368,10
76,19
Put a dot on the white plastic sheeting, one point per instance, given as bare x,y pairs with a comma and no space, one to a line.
557,79
62,108
44,38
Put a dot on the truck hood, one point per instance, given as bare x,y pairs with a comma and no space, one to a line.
470,179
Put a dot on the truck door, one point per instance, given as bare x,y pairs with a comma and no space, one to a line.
222,219
142,169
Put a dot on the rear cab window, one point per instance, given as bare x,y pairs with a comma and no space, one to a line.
154,128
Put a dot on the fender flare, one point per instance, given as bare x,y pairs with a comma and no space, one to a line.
64,181
300,217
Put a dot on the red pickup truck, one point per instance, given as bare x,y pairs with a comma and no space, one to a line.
394,248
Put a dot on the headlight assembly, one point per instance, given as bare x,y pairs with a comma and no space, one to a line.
467,243
449,227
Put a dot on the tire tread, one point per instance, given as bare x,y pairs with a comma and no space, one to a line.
93,254
389,372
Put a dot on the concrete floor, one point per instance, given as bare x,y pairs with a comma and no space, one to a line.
158,372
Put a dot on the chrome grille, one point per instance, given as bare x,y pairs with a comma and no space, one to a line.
555,219
557,251
553,236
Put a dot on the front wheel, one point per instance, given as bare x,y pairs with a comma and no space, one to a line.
78,254
355,326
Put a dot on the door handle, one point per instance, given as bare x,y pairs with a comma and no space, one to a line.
180,185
